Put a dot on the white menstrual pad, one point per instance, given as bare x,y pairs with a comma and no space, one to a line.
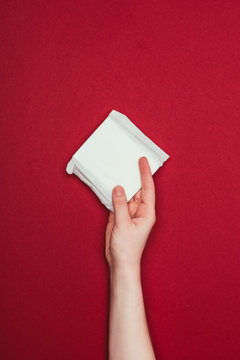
110,156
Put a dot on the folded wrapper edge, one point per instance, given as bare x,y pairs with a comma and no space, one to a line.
73,167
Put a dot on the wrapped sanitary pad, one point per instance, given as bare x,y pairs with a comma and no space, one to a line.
110,156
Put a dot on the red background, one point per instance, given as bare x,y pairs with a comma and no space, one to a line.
173,68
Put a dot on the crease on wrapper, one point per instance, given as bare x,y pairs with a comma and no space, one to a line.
103,187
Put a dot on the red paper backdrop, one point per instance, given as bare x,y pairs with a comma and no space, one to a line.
173,68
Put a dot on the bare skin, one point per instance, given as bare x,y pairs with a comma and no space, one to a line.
126,234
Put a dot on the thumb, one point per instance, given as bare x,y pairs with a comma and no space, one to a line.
120,205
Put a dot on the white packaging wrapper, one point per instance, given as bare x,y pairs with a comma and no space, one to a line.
110,157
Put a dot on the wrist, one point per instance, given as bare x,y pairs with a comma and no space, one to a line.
125,275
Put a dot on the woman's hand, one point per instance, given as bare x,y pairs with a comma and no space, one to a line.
129,226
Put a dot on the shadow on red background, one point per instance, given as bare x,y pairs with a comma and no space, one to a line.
173,69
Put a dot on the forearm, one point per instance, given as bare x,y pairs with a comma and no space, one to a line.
128,331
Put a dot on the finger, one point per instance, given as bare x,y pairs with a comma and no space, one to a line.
120,205
131,200
148,188
138,195
110,216
132,208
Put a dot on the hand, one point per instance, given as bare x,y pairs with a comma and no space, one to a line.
129,226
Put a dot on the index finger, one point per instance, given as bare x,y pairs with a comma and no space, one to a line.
148,188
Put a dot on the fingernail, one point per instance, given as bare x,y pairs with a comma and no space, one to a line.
118,191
